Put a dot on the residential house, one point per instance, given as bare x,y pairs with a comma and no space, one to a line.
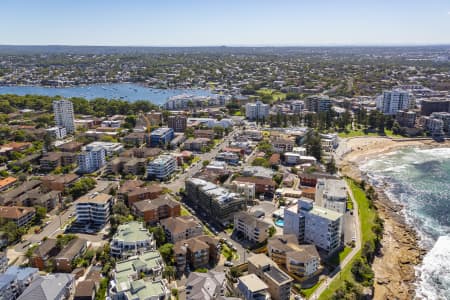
85,290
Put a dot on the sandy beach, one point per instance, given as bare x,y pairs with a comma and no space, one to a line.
400,253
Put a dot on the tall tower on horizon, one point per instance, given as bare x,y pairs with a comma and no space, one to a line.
64,117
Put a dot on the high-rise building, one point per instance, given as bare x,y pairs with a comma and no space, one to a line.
392,101
257,110
92,159
318,103
177,123
64,117
160,137
313,224
94,209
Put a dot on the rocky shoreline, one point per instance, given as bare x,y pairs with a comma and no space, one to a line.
400,253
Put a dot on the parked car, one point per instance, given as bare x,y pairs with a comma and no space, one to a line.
228,264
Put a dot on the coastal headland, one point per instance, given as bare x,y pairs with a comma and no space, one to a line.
400,251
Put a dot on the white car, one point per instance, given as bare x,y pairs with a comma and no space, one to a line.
228,264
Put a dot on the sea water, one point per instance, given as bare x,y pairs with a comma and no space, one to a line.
420,180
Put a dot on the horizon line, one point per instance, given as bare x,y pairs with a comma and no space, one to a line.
233,45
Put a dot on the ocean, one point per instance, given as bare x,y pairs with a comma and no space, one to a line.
125,91
420,180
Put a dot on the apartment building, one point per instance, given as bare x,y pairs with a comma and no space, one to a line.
300,260
74,249
196,144
196,252
57,132
91,160
257,111
134,139
52,286
429,106
262,185
94,209
313,224
218,203
154,210
128,284
406,118
250,287
15,281
181,228
111,148
332,194
281,145
177,123
131,239
318,104
162,167
160,137
64,117
131,194
59,182
390,102
20,215
252,228
7,183
42,255
279,283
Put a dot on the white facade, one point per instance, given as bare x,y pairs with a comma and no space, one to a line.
64,117
109,147
331,194
57,132
94,208
392,101
111,123
161,167
256,111
315,225
91,160
130,239
252,228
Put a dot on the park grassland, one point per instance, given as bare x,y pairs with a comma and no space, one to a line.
360,132
367,216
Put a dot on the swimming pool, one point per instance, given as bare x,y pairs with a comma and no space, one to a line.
279,222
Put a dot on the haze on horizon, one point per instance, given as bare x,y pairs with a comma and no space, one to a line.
232,22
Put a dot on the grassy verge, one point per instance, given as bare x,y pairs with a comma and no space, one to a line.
228,253
308,292
367,217
184,212
360,132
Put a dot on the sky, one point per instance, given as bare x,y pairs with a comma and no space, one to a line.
224,22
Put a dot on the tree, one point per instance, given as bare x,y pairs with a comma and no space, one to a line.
272,231
41,213
362,272
218,131
169,272
166,252
313,144
121,209
158,234
82,186
331,166
205,163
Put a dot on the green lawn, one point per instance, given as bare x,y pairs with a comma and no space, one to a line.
367,217
263,93
184,212
308,292
360,132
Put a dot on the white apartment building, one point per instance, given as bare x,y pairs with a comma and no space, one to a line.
253,229
131,239
57,132
111,123
392,101
91,160
94,209
161,167
331,194
110,148
63,110
329,141
257,110
313,224
181,228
